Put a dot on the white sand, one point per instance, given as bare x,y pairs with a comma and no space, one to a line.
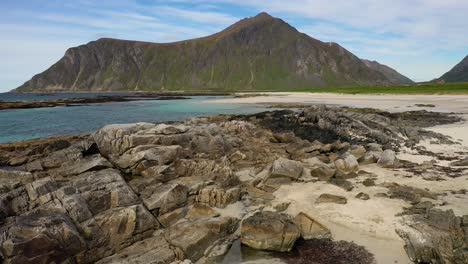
443,103
372,223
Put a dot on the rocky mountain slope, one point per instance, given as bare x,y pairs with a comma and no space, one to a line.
391,74
459,73
260,52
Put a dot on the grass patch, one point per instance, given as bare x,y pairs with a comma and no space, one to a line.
424,88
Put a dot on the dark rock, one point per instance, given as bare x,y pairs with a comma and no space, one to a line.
330,198
325,251
363,196
344,184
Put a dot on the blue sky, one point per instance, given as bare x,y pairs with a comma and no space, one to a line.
420,38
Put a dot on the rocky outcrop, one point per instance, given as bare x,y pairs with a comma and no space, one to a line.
161,193
436,237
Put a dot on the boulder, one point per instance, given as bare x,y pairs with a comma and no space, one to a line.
388,159
362,196
330,198
319,169
310,228
346,167
286,168
374,147
370,157
115,140
344,184
269,231
357,151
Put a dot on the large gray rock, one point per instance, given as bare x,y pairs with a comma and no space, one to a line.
436,237
388,159
346,167
286,168
269,231
115,139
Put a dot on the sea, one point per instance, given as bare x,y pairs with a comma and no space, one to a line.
24,124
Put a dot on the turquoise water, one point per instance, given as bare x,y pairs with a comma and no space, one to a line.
22,124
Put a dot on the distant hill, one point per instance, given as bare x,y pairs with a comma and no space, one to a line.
260,52
391,74
459,73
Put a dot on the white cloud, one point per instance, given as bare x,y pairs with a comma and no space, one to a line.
413,36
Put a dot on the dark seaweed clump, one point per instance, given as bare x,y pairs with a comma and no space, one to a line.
325,251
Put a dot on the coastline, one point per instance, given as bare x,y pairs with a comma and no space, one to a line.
369,223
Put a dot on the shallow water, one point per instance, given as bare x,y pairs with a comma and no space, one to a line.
23,124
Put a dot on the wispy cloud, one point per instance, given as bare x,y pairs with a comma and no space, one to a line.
421,38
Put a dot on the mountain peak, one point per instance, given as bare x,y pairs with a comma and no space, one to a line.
263,15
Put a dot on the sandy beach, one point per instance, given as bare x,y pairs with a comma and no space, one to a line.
372,223
388,102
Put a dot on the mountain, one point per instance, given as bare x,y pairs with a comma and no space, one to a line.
459,73
391,74
260,52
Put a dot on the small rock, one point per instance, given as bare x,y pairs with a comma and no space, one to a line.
330,198
281,207
344,184
319,169
363,196
368,182
460,163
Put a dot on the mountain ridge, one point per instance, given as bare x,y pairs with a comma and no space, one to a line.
255,53
459,73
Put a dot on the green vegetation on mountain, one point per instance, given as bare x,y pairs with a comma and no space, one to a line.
423,88
258,53
459,73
